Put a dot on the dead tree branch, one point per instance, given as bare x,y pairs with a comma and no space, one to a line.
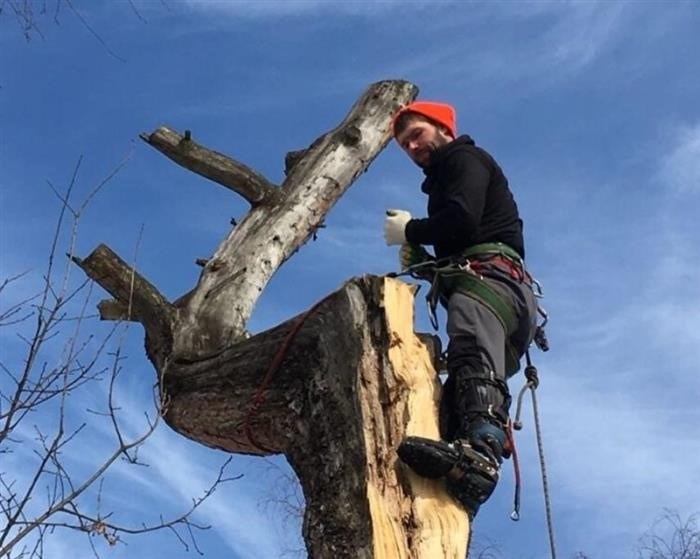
44,385
136,295
270,233
184,151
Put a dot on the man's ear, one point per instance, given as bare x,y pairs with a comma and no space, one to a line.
446,132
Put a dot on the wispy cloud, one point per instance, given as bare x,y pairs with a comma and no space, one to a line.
278,8
569,38
680,168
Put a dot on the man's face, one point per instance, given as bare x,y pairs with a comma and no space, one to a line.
420,139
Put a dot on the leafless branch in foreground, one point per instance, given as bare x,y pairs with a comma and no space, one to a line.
34,16
58,360
672,537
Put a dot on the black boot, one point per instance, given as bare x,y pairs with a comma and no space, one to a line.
485,438
470,475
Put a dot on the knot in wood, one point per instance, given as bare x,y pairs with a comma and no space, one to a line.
352,135
215,264
292,158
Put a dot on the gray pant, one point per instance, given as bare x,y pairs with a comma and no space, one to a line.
477,361
470,317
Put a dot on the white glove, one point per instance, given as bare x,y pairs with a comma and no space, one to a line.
395,226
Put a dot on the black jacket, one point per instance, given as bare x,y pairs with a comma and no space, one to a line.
469,202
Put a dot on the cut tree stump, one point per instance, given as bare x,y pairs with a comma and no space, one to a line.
354,381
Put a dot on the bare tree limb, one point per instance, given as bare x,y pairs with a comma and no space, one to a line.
214,314
671,537
61,504
142,299
47,492
111,309
213,165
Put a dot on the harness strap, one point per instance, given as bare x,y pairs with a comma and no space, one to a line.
492,248
462,274
473,286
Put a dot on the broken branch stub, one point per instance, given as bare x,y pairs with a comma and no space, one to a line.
135,298
184,151
138,297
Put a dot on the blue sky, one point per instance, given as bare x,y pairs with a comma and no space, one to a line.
590,107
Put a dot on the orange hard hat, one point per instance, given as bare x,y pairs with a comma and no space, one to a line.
438,112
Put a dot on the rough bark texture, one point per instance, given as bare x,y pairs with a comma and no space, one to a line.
354,382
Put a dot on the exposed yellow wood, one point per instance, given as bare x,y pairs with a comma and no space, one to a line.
441,526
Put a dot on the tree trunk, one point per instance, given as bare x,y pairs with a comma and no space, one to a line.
353,382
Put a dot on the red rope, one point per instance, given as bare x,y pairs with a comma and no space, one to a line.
515,515
259,397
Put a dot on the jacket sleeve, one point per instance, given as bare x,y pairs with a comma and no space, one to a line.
463,185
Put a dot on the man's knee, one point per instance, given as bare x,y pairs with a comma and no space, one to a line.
466,351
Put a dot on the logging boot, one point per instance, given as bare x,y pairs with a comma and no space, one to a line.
470,475
476,475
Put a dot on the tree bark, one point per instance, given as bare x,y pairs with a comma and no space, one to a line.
354,381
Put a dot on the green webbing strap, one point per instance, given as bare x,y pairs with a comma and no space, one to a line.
472,285
492,248
475,287
482,292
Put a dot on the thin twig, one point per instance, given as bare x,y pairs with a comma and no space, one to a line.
93,32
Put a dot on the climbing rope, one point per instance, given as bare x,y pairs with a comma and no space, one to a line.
532,382
515,515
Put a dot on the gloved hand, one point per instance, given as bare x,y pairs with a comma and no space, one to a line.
395,226
411,254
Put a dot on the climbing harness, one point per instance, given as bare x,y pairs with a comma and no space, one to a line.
465,273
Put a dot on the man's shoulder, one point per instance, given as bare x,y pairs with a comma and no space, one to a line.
464,154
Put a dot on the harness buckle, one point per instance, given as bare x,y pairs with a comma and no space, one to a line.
467,267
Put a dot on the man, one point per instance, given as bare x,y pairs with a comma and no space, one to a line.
474,227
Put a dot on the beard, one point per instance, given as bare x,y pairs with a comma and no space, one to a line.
424,156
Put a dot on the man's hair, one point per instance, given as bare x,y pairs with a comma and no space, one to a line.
404,119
